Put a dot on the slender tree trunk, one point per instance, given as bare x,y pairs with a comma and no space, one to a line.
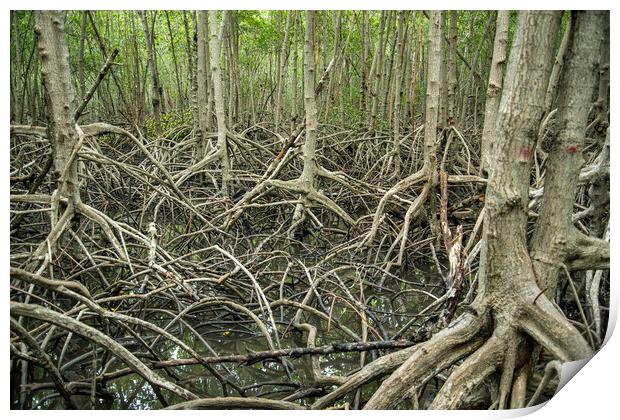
284,52
452,82
309,154
386,104
375,72
601,106
16,73
220,113
558,65
415,71
474,80
202,80
81,79
443,97
295,66
174,61
363,52
155,91
136,91
396,94
494,90
309,148
329,98
189,50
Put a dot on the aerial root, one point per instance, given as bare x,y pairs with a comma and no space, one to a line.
313,195
227,403
372,370
508,370
404,183
548,326
429,358
77,327
467,376
553,368
503,349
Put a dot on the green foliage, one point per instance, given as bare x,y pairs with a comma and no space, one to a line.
259,35
169,122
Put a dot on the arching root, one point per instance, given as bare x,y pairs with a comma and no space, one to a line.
440,352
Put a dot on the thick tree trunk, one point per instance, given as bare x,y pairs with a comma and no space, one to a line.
59,95
507,279
555,237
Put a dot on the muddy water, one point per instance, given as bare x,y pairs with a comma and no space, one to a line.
267,379
136,394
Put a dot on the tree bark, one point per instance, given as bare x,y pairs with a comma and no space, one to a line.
494,89
309,148
220,113
59,95
558,65
375,73
554,231
452,82
284,52
174,61
203,84
155,90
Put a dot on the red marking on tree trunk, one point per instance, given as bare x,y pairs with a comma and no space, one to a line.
572,149
526,153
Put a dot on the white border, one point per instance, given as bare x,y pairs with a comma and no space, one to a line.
593,395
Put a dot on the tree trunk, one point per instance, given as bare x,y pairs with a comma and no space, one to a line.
284,51
16,73
202,81
375,72
59,98
81,79
452,82
555,237
220,114
558,65
309,148
396,95
494,89
443,96
295,66
155,91
174,61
